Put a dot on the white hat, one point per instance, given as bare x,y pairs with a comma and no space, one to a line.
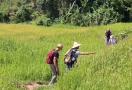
76,44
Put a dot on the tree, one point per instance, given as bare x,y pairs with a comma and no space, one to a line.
1,17
23,14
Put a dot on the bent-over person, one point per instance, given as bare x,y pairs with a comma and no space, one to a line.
54,65
74,55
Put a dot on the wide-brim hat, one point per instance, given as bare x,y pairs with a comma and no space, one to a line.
76,44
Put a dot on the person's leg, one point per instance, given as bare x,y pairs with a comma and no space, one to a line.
68,66
107,41
114,41
54,74
110,41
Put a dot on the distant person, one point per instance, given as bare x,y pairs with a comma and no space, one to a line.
54,64
112,40
73,54
108,33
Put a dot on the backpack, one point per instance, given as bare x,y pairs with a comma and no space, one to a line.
49,57
68,57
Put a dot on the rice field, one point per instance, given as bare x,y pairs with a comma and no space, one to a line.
23,49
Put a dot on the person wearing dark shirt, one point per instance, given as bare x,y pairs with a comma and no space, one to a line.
108,33
54,65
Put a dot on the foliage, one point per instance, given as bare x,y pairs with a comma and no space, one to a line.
130,14
23,14
35,15
101,16
69,11
48,7
4,17
1,17
44,21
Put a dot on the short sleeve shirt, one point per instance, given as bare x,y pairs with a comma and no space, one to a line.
76,54
55,54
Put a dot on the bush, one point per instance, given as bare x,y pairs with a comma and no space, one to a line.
44,21
23,14
101,16
1,17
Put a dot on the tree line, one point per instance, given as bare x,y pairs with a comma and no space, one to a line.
74,12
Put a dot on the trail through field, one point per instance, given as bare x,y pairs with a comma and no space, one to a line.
33,85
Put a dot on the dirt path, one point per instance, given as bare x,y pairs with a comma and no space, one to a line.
33,85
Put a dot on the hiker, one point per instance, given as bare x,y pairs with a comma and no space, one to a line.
112,40
54,65
108,33
73,52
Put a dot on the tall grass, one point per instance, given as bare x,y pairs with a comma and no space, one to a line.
23,49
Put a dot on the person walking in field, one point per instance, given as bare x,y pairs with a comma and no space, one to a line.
108,33
72,54
54,55
112,40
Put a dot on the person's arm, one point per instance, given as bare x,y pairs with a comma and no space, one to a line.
56,64
105,32
87,53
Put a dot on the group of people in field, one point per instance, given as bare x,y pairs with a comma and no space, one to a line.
72,54
110,40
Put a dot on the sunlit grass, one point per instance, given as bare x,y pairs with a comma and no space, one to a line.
26,32
23,49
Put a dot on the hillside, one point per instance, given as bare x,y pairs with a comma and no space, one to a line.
23,49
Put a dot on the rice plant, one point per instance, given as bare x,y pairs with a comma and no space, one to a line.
23,49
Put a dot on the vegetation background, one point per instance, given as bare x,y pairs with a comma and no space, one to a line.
74,12
25,39
23,49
